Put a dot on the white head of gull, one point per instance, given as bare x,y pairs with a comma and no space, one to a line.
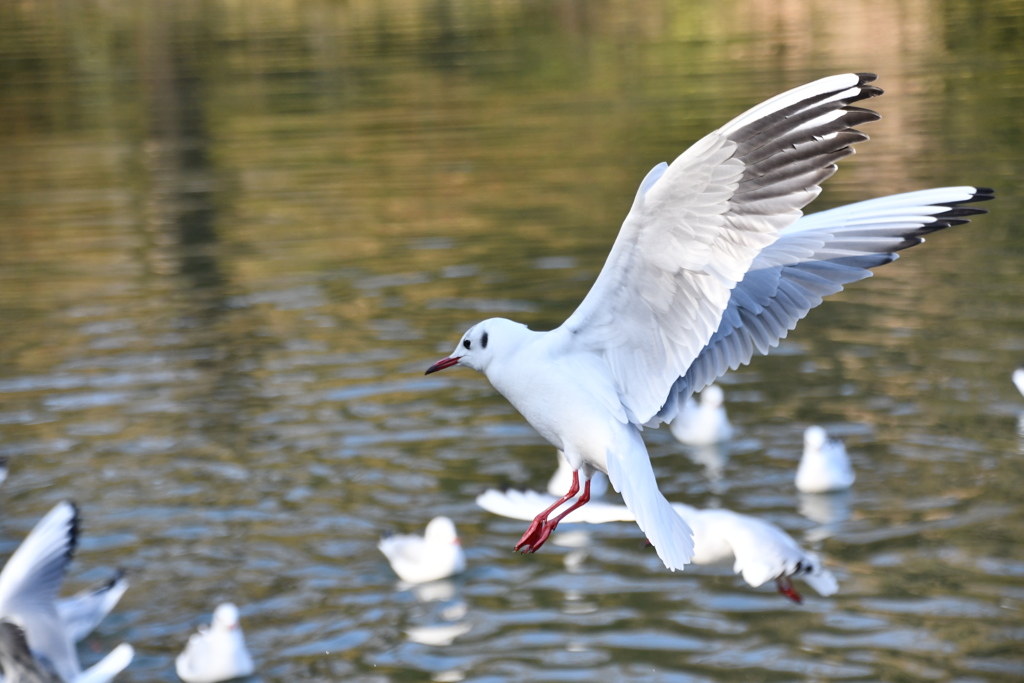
435,555
824,466
217,653
710,266
704,423
29,584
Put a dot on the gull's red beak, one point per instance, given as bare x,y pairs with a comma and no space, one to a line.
441,365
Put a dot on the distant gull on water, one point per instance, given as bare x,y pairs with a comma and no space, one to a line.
216,653
704,423
824,465
435,555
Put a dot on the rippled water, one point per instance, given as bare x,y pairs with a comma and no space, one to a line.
234,235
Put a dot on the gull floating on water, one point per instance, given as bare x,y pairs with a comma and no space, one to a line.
29,584
710,266
704,423
1018,380
759,550
216,653
435,555
824,466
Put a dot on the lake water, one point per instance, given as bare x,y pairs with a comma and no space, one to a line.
234,235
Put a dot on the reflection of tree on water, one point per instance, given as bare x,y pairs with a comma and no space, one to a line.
183,246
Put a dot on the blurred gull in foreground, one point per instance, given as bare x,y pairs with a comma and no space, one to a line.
217,653
704,423
824,466
29,584
759,550
435,555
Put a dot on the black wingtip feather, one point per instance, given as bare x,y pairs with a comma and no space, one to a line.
866,76
75,530
118,575
959,211
981,194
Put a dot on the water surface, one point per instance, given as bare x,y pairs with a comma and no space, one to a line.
235,234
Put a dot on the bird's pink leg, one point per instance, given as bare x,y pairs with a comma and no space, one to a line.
536,527
786,588
541,527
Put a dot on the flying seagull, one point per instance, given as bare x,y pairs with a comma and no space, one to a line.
712,263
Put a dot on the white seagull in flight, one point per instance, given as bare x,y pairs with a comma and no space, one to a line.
712,263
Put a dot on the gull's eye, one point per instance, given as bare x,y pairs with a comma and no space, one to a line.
466,343
483,340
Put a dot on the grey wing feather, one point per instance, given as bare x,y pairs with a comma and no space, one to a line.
83,612
812,259
697,225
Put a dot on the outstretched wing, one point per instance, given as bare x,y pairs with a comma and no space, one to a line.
812,259
696,226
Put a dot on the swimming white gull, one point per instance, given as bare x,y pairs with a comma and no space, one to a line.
435,555
705,423
217,653
824,465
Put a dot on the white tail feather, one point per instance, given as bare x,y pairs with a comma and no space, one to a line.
630,471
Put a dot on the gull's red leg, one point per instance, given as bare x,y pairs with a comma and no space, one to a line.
549,526
786,588
527,541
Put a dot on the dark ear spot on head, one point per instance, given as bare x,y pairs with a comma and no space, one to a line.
466,343
484,340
